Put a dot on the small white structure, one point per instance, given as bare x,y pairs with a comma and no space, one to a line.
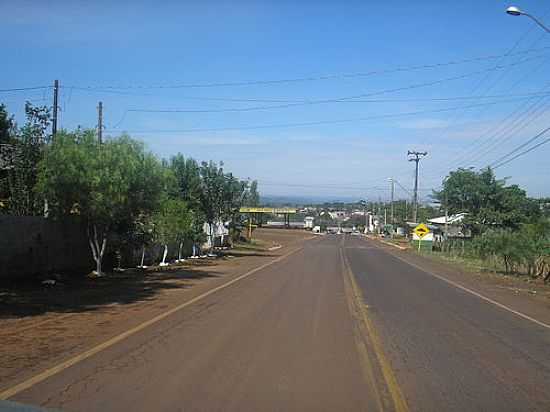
451,219
316,229
308,222
219,233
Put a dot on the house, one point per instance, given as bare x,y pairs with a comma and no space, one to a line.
309,222
453,225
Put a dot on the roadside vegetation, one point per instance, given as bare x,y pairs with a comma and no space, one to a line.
510,232
128,198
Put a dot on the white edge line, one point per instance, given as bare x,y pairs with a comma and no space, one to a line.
479,295
8,393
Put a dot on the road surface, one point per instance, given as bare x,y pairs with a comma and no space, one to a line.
339,325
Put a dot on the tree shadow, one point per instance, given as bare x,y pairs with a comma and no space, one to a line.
76,293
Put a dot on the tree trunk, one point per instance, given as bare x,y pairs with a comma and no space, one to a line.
164,254
97,247
179,253
142,256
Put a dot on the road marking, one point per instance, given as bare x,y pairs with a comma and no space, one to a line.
473,292
397,398
8,393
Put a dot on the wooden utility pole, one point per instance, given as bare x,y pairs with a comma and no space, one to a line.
54,117
100,122
416,156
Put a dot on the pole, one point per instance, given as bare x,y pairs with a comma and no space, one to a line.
100,122
416,158
54,117
250,226
392,192
366,218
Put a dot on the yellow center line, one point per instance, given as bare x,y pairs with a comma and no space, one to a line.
390,381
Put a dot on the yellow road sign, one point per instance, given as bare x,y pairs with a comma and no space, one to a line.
421,230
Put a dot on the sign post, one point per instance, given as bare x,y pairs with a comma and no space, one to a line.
421,231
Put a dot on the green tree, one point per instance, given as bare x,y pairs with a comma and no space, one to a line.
212,195
110,185
252,198
173,224
188,178
488,201
7,126
28,151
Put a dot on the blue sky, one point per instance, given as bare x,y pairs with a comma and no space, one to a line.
209,56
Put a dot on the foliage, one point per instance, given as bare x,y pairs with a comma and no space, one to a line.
489,202
7,126
27,153
111,185
252,198
188,179
173,222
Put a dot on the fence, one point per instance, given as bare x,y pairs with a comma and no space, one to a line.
33,245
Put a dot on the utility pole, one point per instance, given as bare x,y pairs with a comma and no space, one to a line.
416,156
100,122
54,118
392,190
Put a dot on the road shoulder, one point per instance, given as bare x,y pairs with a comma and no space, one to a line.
36,343
514,293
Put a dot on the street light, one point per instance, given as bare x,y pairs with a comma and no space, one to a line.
514,11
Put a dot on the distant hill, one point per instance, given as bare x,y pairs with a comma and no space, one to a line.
289,200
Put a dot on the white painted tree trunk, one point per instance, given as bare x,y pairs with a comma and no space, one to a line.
98,248
142,257
164,254
179,253
222,240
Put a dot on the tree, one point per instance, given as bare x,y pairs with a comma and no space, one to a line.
110,185
212,195
28,151
235,193
488,201
7,126
173,224
252,198
188,179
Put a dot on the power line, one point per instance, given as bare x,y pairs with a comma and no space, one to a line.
313,123
471,148
500,163
22,89
317,78
255,108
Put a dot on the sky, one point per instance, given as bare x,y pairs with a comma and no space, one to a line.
311,98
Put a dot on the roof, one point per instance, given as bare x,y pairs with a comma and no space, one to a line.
452,219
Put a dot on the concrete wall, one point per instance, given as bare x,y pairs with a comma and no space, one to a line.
32,245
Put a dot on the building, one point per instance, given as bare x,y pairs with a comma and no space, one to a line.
220,234
453,225
309,222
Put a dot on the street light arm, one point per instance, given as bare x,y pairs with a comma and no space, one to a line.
546,29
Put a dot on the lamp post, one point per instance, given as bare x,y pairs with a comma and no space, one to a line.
515,11
364,204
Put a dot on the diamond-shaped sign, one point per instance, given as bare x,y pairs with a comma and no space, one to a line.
421,230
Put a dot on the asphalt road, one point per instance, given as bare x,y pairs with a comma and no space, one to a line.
339,325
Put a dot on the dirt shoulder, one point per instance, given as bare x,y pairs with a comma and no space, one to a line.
41,326
520,293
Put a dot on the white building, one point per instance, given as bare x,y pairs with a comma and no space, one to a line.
219,233
308,222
